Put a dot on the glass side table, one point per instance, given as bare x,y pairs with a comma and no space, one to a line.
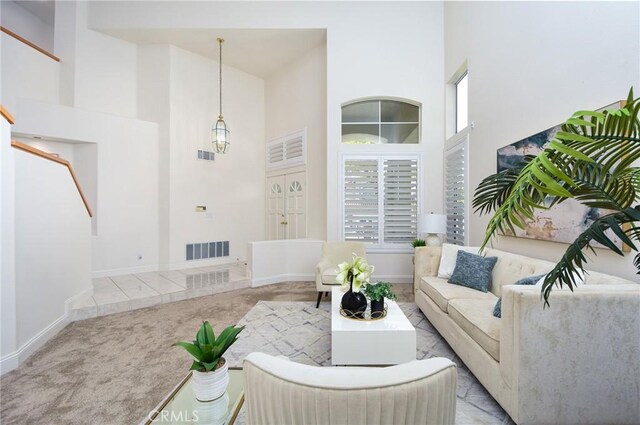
181,406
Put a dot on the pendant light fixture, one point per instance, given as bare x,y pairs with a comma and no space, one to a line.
220,132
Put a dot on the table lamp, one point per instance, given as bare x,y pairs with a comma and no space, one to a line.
433,225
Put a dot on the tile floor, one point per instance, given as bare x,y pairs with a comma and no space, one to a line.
130,292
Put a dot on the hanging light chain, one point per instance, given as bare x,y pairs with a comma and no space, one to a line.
220,41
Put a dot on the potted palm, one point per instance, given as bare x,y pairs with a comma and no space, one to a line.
210,370
593,160
377,293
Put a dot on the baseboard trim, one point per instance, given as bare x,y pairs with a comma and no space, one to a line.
127,270
15,359
285,277
11,361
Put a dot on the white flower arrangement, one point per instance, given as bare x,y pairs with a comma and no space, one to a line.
359,269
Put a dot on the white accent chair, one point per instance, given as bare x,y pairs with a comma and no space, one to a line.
279,391
334,253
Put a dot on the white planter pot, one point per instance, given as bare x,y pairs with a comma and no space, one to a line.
209,386
213,412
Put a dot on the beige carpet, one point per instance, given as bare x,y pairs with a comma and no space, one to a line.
114,369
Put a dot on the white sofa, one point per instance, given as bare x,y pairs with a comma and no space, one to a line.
282,392
577,362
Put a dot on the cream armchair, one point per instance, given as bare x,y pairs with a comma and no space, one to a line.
279,391
334,253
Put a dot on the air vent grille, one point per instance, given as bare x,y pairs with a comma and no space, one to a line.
202,251
206,155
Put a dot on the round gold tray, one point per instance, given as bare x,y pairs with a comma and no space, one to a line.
367,314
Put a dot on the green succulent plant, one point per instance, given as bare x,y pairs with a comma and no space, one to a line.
593,159
206,349
418,242
378,291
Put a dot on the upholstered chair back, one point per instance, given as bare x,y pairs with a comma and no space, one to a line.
279,391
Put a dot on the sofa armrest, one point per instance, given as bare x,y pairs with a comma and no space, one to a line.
426,263
577,361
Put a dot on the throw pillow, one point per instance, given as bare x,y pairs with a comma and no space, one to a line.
529,280
448,258
473,271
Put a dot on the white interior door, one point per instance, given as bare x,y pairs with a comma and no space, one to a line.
296,205
276,208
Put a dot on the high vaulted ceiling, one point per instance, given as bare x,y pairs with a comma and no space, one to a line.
258,52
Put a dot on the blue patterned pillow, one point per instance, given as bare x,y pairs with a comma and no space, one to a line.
473,271
529,280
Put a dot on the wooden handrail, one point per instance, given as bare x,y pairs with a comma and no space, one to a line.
28,43
42,154
7,116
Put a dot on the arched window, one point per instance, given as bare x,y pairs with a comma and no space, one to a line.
381,121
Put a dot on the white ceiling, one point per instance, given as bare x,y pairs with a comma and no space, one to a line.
258,52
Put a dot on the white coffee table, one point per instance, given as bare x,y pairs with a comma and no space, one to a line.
387,341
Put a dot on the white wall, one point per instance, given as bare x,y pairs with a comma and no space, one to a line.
295,98
179,90
57,238
26,73
127,180
154,98
7,243
105,72
231,186
365,57
27,25
531,65
283,260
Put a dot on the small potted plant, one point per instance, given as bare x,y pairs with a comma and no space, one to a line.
377,293
210,370
418,242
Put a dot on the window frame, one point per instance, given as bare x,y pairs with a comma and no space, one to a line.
465,74
380,247
380,123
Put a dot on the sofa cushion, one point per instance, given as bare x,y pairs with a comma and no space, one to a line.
449,257
475,317
473,271
441,292
529,280
329,277
511,267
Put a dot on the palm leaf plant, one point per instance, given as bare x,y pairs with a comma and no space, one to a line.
206,349
594,160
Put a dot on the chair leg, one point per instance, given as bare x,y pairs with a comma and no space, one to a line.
319,298
326,294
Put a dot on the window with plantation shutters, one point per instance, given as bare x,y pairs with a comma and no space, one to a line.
455,182
400,200
380,198
361,206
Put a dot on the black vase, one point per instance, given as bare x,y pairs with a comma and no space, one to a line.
377,308
354,302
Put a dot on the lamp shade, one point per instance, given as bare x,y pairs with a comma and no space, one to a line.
432,223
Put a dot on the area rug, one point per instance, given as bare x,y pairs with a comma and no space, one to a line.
301,332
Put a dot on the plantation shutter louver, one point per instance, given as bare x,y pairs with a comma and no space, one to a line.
361,220
287,151
294,148
400,200
455,187
275,152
